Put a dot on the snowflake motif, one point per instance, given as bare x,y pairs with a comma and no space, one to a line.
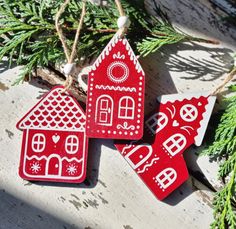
72,169
35,167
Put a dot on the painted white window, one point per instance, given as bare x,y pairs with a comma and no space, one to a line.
72,144
157,122
166,177
188,113
38,143
126,108
175,144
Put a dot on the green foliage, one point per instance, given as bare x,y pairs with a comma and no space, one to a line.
223,149
28,35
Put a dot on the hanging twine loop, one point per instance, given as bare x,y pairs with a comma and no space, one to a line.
70,56
229,77
123,21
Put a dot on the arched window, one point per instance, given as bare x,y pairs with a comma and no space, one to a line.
157,122
166,177
175,144
126,108
72,144
38,143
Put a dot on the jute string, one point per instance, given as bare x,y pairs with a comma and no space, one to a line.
122,30
70,56
228,78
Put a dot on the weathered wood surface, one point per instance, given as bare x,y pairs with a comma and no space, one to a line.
113,196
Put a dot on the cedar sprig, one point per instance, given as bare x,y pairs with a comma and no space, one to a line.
28,35
223,149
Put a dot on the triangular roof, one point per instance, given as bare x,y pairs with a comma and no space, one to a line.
115,39
206,115
55,111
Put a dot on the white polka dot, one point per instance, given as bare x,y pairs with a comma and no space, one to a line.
140,89
108,131
90,93
131,133
89,110
90,99
138,115
140,156
139,93
136,132
91,88
88,127
91,85
139,110
92,75
139,99
114,132
103,131
120,132
126,132
140,83
98,131
139,104
140,77
138,121
138,127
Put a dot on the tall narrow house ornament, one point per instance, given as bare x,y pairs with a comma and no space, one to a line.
178,122
115,103
54,146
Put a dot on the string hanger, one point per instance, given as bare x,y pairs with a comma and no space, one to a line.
123,21
70,55
228,78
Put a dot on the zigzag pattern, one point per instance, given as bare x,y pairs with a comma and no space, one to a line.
113,88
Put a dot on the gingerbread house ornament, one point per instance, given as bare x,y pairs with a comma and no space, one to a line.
54,146
178,122
115,103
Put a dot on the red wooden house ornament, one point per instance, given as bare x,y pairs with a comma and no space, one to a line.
115,103
54,146
178,122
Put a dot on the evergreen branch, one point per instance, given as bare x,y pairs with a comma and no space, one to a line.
27,22
224,149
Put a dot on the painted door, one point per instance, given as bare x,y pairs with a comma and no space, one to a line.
53,166
104,110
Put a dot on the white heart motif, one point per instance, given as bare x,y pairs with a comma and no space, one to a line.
175,123
55,138
199,104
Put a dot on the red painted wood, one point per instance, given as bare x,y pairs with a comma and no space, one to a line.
54,146
115,103
169,130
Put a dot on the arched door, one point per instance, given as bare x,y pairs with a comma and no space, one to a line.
104,110
53,166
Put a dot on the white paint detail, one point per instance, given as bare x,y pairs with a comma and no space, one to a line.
55,138
38,143
157,122
125,126
115,88
117,78
126,107
72,144
188,112
104,114
144,159
166,177
175,144
148,165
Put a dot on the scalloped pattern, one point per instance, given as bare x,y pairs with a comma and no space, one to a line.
55,111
